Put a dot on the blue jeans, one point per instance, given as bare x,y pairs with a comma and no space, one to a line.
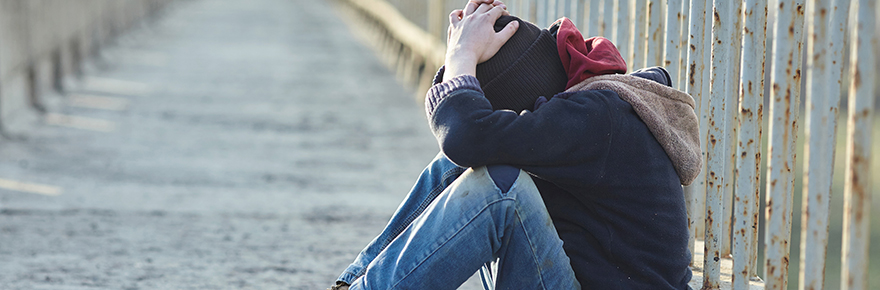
456,221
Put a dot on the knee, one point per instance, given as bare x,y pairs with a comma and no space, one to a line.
503,176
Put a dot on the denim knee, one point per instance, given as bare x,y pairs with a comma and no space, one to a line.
503,175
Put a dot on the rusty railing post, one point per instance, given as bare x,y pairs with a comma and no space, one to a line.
825,30
721,101
732,126
857,194
684,25
751,93
784,104
639,53
608,18
655,33
696,192
671,47
593,21
623,29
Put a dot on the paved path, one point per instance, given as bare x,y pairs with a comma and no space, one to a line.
238,145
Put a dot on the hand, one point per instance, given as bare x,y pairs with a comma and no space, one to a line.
472,38
493,2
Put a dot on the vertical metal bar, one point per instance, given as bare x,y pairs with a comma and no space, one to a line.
527,10
721,102
607,19
857,191
561,9
732,126
707,58
623,29
541,13
825,35
682,63
694,87
611,15
574,9
785,101
706,110
671,49
585,19
655,33
513,7
594,19
751,109
550,12
640,36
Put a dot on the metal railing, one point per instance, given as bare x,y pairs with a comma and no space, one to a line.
717,52
43,42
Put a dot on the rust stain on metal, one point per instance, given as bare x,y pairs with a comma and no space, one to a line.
857,78
691,71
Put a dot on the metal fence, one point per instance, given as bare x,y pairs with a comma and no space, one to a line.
716,53
44,41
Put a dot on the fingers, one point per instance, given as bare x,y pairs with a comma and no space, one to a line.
499,3
469,9
484,8
495,12
508,31
478,2
455,17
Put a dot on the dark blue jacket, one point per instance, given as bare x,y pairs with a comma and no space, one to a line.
609,186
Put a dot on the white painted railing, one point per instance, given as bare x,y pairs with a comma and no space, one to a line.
716,51
42,42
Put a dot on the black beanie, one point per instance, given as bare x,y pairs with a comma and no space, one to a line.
525,68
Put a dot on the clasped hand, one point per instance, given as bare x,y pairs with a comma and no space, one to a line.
471,37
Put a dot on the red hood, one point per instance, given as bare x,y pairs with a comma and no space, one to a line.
582,58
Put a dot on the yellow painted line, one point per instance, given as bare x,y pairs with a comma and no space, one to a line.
84,123
97,102
114,86
30,187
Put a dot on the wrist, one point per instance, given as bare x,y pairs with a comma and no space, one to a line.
457,65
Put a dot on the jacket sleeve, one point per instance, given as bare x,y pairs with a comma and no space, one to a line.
570,129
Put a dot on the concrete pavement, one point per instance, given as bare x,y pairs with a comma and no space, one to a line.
230,145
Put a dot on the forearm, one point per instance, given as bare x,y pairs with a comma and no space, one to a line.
471,133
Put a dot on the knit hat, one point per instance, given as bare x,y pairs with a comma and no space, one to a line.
526,67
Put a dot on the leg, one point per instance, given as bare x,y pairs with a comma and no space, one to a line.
434,179
471,223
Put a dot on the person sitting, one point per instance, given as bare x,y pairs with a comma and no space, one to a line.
579,190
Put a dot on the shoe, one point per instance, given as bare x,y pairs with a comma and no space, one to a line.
339,286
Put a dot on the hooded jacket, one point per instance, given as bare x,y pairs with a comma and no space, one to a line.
609,157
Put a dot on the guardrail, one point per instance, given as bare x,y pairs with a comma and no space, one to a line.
717,53
44,41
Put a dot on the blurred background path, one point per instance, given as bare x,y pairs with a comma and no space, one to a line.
230,145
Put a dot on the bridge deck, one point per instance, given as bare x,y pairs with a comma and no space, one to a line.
230,144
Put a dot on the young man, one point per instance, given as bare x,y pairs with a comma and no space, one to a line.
581,190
